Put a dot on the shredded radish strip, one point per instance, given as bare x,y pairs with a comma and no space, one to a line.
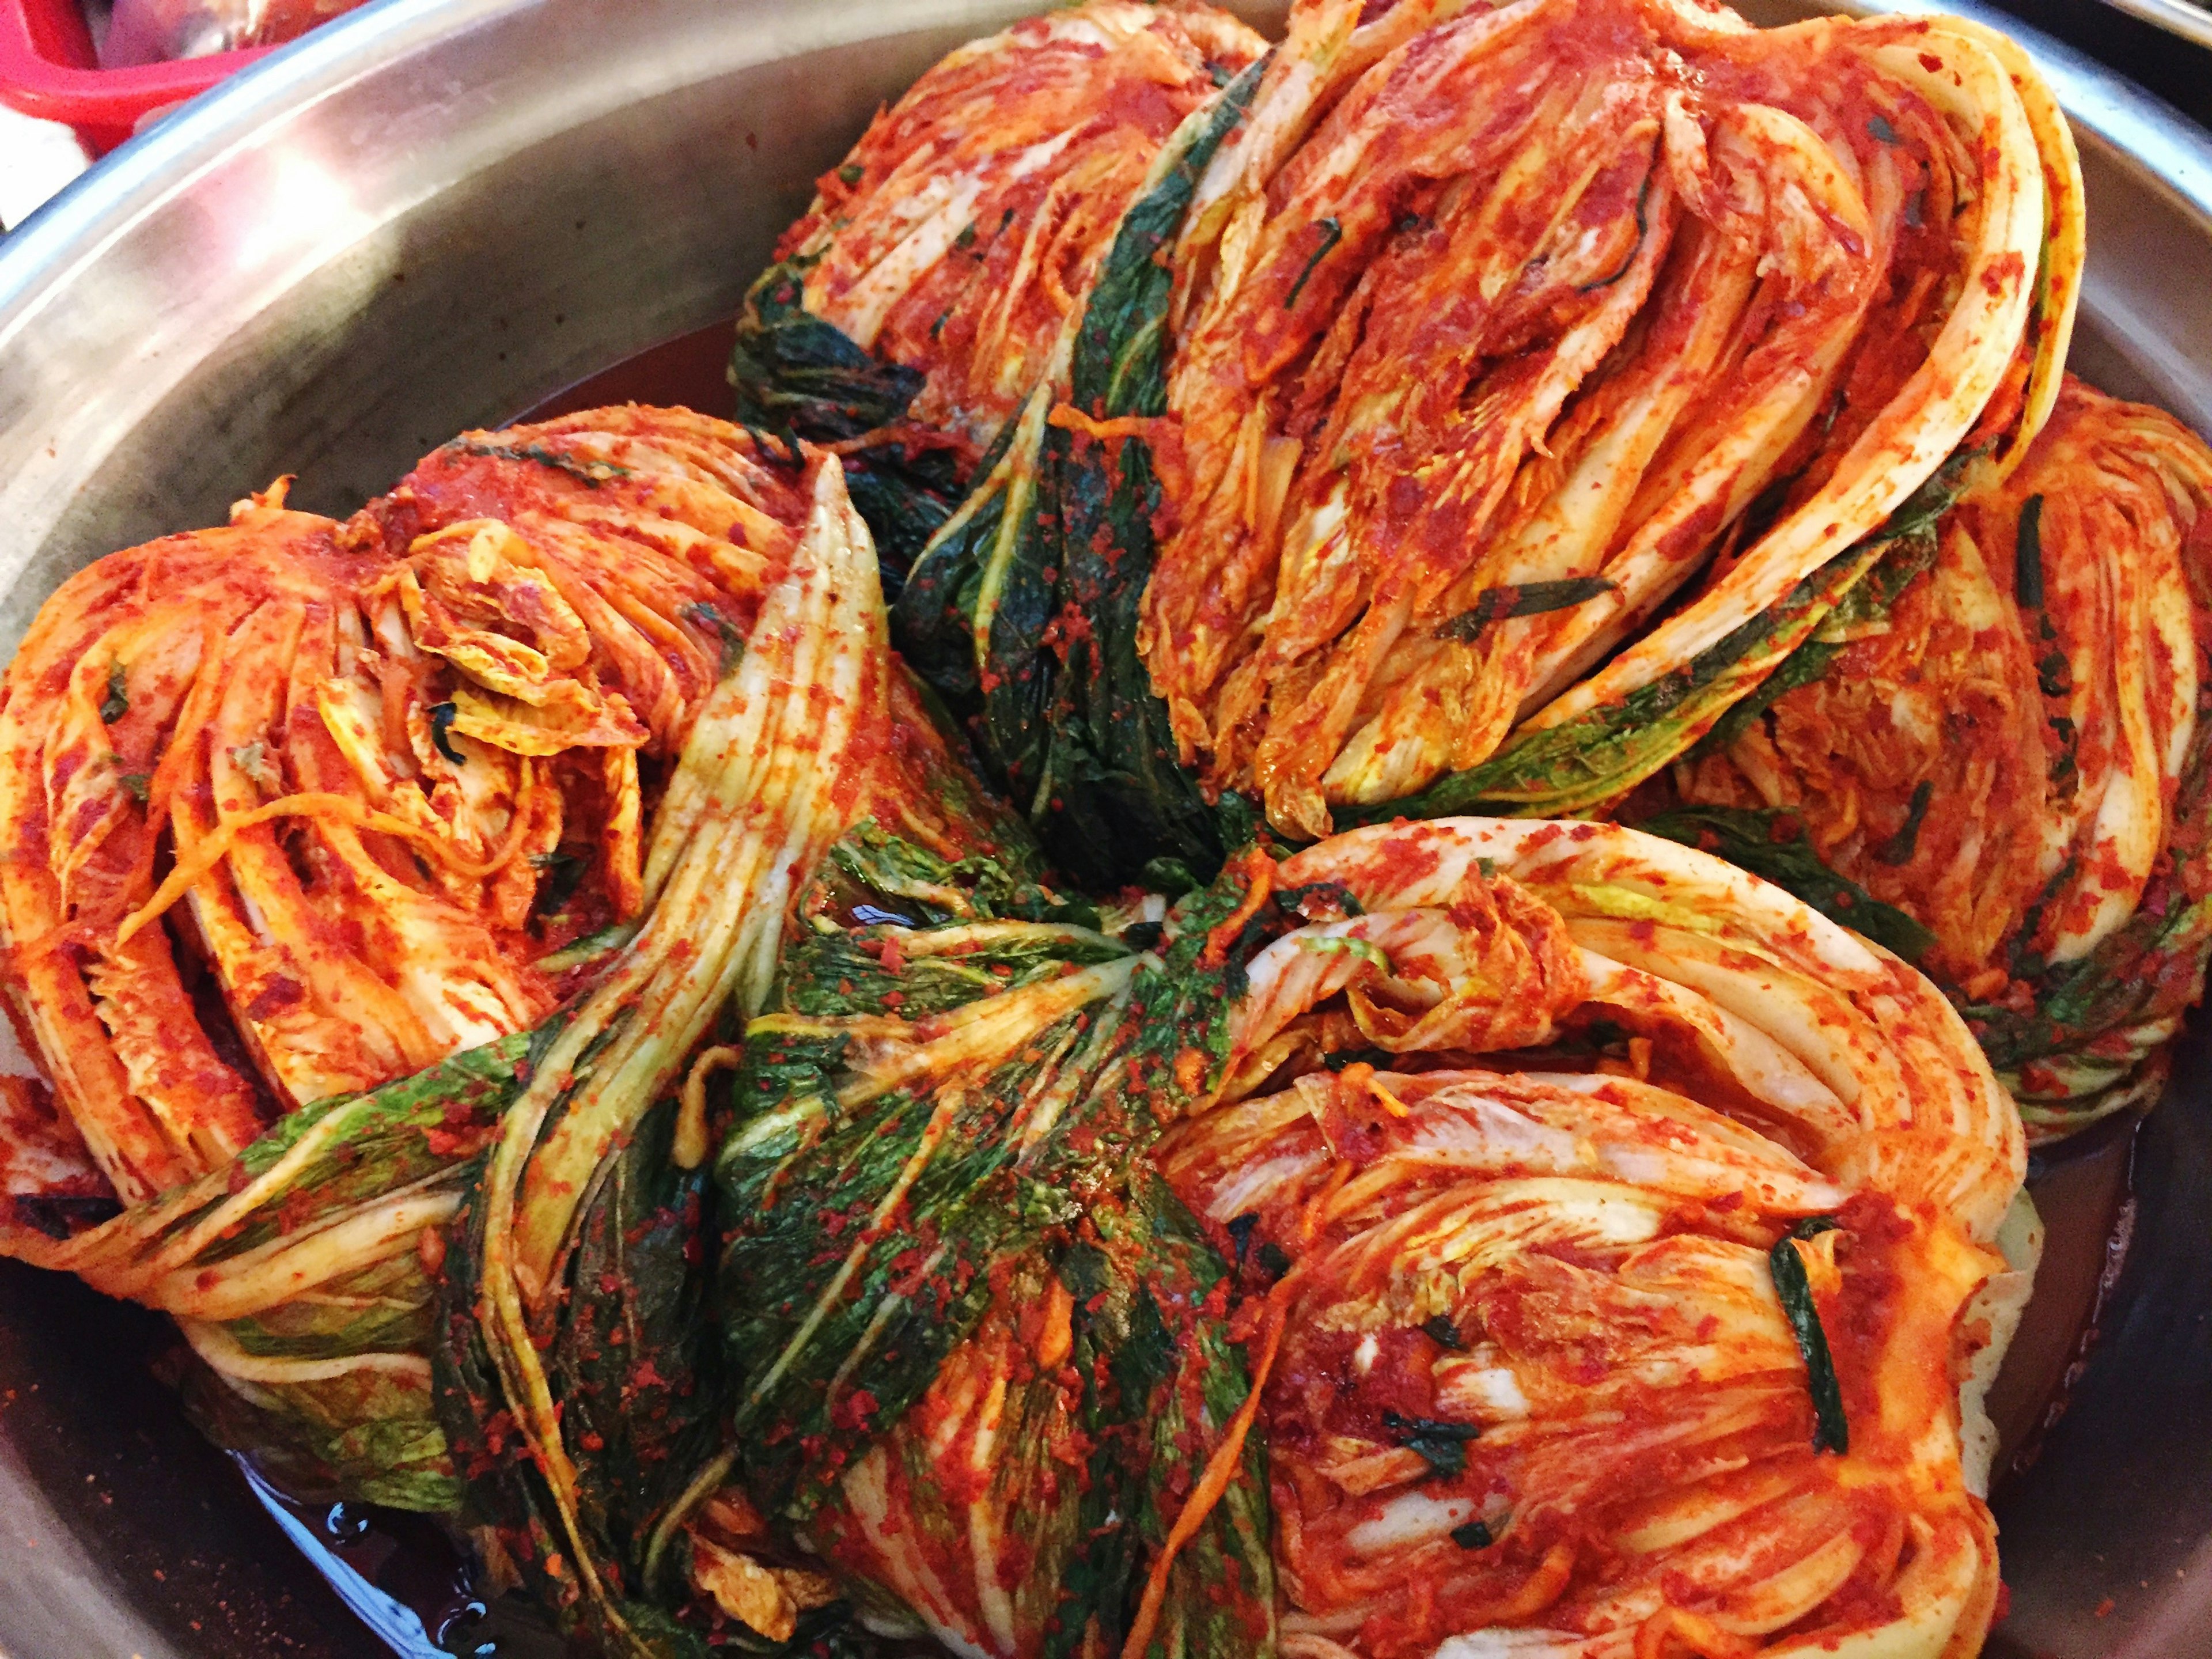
311,805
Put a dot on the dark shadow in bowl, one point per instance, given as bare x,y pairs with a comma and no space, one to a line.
103,1475
2132,1458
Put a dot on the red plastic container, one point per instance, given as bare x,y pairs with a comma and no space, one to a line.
47,69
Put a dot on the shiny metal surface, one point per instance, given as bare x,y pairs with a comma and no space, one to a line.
2176,17
433,212
438,212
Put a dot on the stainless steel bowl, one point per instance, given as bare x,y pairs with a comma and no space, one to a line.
436,213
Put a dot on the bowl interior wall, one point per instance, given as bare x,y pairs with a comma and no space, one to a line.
439,213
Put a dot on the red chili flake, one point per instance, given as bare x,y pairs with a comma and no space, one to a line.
274,998
854,1412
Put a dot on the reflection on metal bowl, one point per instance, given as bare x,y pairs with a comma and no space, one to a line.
437,214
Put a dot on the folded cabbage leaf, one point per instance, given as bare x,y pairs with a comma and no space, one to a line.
979,1349
2000,771
481,1291
929,288
1624,1249
1025,610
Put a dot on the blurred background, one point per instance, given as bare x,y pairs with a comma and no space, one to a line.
78,77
